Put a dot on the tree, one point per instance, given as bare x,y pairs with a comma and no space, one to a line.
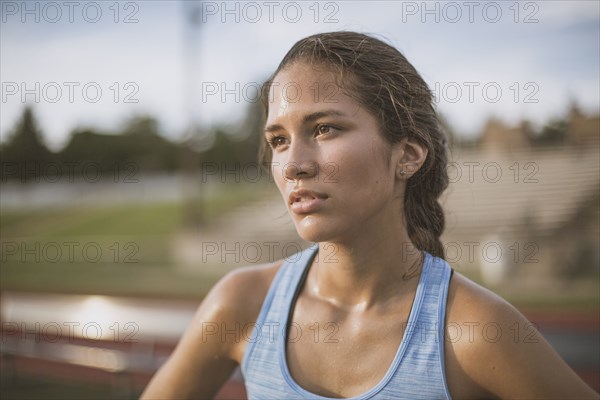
554,132
138,145
25,153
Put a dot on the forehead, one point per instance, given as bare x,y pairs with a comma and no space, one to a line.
302,88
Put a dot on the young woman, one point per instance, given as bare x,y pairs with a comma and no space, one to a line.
371,310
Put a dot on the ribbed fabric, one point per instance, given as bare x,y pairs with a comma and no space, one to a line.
417,371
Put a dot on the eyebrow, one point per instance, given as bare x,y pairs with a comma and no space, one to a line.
308,118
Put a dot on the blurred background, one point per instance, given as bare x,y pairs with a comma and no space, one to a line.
130,183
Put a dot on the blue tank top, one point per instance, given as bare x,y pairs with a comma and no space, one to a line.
417,371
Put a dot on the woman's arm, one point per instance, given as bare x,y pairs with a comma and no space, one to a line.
204,357
500,354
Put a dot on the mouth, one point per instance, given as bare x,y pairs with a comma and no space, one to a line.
305,201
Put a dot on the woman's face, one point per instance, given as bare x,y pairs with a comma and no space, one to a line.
333,168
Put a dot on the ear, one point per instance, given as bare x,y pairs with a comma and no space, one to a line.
411,156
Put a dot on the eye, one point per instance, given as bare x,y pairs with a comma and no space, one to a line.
325,129
276,141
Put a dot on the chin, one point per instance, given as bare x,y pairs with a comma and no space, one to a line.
314,229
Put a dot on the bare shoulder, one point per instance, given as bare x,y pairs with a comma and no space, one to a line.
492,350
235,302
471,302
242,291
211,347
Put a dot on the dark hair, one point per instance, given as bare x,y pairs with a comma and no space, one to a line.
382,80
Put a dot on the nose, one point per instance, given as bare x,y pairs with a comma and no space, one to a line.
293,171
301,163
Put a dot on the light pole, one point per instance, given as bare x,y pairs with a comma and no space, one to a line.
193,216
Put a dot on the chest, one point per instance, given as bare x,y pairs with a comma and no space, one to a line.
337,355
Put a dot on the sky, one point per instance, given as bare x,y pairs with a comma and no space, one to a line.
98,63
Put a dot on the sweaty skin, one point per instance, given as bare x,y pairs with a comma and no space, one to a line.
363,297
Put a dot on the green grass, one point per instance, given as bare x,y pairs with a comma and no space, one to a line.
131,280
122,220
134,241
29,388
156,219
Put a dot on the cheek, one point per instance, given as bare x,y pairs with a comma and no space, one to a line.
356,164
277,172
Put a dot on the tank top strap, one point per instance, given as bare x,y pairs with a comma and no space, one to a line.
421,373
270,321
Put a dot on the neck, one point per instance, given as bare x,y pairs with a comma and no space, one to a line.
369,269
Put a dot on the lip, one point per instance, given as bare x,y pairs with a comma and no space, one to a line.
303,201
